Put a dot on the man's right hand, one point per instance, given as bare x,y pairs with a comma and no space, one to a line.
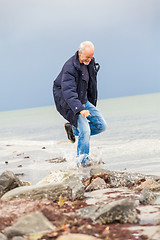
85,113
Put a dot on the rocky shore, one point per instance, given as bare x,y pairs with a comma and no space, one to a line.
104,205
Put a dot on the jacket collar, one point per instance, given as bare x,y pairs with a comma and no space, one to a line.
77,62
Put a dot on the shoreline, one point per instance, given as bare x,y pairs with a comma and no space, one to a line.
24,158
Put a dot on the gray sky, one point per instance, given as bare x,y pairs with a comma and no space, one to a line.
38,36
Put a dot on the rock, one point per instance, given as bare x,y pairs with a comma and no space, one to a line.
120,180
76,236
8,181
28,224
149,215
66,178
117,179
54,177
149,184
122,211
88,212
99,171
96,184
71,188
125,179
147,197
2,237
76,185
50,191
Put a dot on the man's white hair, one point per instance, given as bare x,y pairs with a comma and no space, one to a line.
85,44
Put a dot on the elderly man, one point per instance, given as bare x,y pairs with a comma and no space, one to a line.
75,95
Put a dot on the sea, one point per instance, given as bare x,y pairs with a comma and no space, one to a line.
33,142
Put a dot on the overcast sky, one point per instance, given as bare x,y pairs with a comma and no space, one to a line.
38,36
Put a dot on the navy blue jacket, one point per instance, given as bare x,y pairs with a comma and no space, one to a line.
69,88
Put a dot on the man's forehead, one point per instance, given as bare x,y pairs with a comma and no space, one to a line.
88,50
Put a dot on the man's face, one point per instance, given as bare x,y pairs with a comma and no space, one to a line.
86,56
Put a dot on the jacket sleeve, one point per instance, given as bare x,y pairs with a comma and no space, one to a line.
69,91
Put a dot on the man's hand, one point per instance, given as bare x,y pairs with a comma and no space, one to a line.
85,113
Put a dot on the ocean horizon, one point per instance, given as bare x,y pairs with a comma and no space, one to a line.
32,138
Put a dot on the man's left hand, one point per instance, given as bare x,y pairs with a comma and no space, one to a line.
85,113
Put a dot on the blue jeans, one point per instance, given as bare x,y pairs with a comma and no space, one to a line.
91,125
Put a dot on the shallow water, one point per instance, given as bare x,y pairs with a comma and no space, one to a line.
131,142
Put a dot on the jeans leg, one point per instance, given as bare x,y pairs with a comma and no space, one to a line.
75,131
96,120
91,125
83,139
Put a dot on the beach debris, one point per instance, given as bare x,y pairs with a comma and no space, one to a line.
26,183
56,160
19,174
6,162
20,154
61,201
19,165
27,157
43,147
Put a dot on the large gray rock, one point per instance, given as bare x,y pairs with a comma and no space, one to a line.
65,178
122,211
28,224
50,191
8,181
71,188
